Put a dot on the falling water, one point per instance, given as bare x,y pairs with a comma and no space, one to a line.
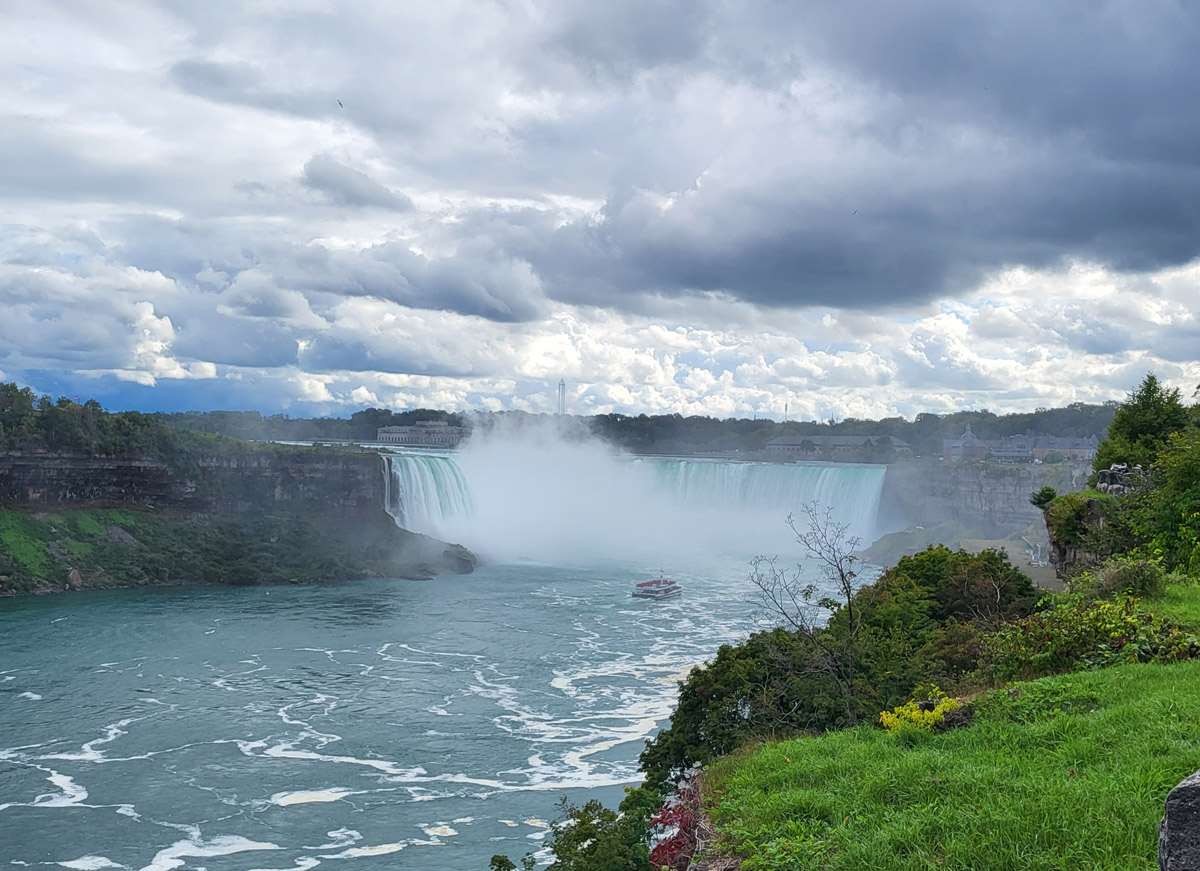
423,491
553,500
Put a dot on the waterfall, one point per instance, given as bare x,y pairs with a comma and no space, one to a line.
422,492
530,500
852,491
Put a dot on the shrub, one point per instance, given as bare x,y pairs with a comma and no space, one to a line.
1075,632
1067,516
1120,577
925,715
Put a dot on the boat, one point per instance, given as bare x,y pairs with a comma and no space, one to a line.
657,588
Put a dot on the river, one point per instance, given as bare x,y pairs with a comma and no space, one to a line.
397,724
385,723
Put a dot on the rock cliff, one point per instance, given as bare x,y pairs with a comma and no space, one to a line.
262,514
237,481
991,497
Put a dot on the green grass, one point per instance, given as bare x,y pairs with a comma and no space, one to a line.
1063,773
1180,602
88,524
23,540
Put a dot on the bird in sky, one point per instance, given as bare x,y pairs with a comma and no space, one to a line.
340,106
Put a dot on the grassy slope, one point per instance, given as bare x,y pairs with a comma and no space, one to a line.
1063,773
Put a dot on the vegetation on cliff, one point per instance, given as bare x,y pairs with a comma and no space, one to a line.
1068,769
1143,425
361,425
77,548
224,511
32,423
1158,516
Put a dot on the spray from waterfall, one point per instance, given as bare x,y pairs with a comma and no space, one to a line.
541,497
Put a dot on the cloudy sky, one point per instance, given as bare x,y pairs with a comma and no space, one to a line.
857,209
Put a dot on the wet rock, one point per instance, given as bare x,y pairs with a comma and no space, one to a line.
1179,834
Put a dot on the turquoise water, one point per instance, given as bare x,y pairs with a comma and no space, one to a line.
375,724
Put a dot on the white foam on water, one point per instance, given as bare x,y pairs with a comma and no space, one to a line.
91,863
33,697
284,799
395,772
359,852
340,838
509,823
303,863
439,830
383,652
222,845
72,793
88,752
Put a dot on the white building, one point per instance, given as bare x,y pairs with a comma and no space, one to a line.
430,433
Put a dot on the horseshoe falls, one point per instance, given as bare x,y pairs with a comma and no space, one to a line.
550,501
386,724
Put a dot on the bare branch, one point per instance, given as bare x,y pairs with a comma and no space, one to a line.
787,598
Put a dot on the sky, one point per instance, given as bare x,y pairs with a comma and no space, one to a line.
729,208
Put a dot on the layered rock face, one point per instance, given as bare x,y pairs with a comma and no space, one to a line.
236,481
244,516
992,497
56,480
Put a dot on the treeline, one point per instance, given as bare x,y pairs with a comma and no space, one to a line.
37,423
674,433
671,433
361,426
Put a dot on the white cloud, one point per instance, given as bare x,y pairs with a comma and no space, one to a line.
694,209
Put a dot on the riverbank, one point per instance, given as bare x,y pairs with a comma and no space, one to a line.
1063,772
76,548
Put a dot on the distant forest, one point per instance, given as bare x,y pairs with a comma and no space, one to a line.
671,433
38,423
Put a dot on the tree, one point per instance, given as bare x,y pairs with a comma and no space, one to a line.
1043,497
1142,425
803,607
1167,512
591,837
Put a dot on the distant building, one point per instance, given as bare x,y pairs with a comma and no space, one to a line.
1017,448
429,433
799,446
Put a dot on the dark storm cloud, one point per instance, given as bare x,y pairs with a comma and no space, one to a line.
622,37
244,84
1020,134
478,279
349,187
